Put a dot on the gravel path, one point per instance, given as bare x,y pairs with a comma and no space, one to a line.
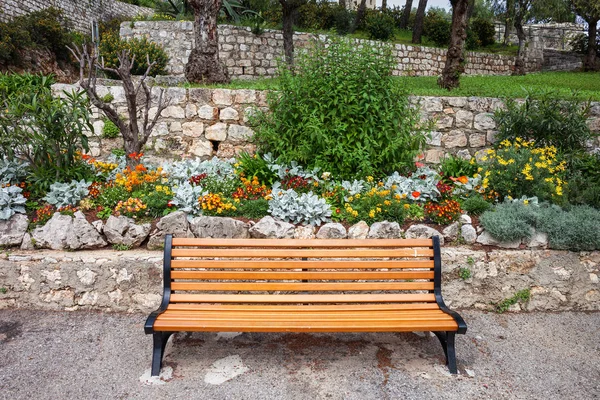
82,355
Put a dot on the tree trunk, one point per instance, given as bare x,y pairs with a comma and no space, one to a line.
289,8
203,64
520,59
450,78
590,62
418,28
406,14
360,14
508,21
383,5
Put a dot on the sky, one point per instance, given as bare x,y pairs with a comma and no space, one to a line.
431,3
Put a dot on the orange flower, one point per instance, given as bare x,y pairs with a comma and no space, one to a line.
416,194
463,179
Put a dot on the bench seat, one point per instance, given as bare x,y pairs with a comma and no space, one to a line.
261,285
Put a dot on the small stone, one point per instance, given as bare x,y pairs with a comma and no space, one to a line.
468,233
486,239
219,227
216,132
222,97
208,112
229,114
304,232
191,110
537,240
332,230
124,231
423,232
464,219
359,230
385,230
13,230
594,278
193,129
99,225
270,228
201,148
27,243
451,231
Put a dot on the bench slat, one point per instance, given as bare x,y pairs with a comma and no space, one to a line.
300,298
294,243
326,275
298,264
299,253
352,308
305,326
297,286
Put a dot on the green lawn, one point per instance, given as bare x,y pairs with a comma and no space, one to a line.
562,83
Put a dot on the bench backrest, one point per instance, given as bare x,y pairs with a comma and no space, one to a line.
404,272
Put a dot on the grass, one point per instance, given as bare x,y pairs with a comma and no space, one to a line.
587,84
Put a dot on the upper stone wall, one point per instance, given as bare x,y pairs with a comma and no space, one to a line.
248,56
80,12
213,122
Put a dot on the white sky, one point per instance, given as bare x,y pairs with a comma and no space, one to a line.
431,3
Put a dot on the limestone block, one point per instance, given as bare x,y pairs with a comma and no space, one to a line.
193,129
208,112
216,132
454,139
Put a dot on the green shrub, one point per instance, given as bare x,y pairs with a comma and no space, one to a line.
453,166
576,229
472,42
437,28
47,29
342,20
510,221
518,169
32,84
584,179
342,111
547,120
111,46
110,130
484,30
380,26
476,205
254,209
48,132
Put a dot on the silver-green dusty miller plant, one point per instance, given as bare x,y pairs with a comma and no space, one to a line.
67,194
11,202
185,198
306,209
423,180
181,171
12,171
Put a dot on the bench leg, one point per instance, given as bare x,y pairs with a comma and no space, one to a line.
160,342
447,341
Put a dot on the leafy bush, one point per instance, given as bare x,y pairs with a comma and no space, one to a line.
580,43
584,179
547,120
342,20
48,132
47,28
575,229
306,209
256,166
32,84
519,169
510,221
255,209
67,194
437,28
110,130
11,202
484,30
380,26
453,166
342,111
572,229
476,205
112,45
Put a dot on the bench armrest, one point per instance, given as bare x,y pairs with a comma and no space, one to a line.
149,325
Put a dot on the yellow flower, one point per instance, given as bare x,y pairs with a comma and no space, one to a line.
406,206
357,195
387,203
369,178
372,213
350,199
526,202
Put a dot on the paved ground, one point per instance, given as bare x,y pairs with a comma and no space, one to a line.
45,355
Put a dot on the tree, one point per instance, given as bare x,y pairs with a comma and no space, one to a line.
360,14
203,64
552,11
522,8
137,94
418,28
289,8
450,78
406,14
589,10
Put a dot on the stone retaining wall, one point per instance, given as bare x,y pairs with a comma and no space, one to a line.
80,12
132,281
198,121
248,56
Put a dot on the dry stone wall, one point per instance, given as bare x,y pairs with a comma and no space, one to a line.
132,281
214,122
81,12
248,56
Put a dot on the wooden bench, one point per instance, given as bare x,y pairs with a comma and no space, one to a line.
263,285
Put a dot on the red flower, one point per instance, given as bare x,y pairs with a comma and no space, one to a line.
416,194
